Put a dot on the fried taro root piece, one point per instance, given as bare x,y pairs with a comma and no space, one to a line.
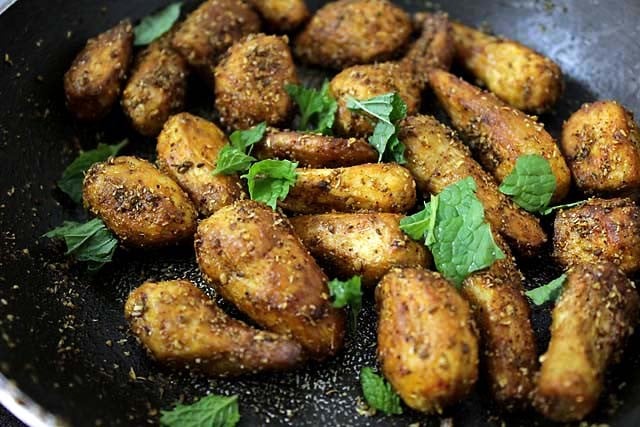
282,16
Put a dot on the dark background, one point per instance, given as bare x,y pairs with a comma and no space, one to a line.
63,336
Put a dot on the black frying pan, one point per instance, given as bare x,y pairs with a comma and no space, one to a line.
63,338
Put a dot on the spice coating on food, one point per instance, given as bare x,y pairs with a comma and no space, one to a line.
93,83
180,326
282,15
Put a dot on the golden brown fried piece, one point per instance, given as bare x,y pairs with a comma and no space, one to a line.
602,144
282,15
156,88
367,244
379,187
436,159
188,148
502,314
253,258
497,133
350,32
250,82
93,83
520,76
592,320
180,326
141,205
427,343
599,230
211,29
314,150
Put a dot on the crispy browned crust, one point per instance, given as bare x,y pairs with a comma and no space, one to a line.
602,144
437,158
188,148
93,83
250,82
211,29
518,75
350,32
142,206
368,244
156,88
599,230
181,327
253,258
282,16
314,150
427,343
592,321
498,134
508,344
366,81
378,187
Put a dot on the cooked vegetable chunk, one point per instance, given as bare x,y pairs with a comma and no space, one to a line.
313,150
156,88
367,244
602,145
518,75
599,230
380,187
93,83
282,15
211,29
180,326
437,159
592,320
253,258
497,133
188,148
502,314
350,32
427,344
141,205
250,82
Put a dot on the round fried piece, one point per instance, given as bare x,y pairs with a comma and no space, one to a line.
250,82
350,32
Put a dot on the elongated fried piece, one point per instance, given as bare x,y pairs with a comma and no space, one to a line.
436,159
253,258
188,148
599,230
427,343
379,187
313,150
602,144
157,87
180,326
367,244
520,76
93,83
282,16
502,314
497,133
595,315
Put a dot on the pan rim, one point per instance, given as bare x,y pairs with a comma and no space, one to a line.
24,408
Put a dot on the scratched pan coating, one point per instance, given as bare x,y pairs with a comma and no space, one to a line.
63,336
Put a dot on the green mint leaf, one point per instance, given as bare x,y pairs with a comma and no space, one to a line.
210,411
231,160
462,241
245,139
89,242
153,26
549,292
551,209
395,151
348,293
73,175
421,225
379,107
531,183
269,180
378,393
317,107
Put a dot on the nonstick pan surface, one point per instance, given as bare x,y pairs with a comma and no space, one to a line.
63,338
